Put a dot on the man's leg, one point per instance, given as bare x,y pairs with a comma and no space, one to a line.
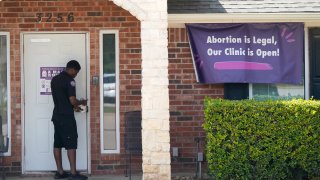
58,159
72,154
71,140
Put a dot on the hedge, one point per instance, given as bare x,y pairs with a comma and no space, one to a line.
252,139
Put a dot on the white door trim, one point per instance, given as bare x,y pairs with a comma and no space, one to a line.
23,171
307,63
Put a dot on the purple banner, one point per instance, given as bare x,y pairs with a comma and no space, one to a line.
247,53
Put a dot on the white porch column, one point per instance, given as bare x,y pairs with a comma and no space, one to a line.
155,93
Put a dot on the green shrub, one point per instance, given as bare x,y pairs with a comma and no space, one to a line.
252,139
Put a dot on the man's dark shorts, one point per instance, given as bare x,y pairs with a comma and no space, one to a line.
65,131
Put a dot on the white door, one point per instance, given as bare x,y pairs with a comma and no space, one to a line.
45,51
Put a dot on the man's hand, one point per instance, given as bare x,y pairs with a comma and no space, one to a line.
83,102
77,109
75,102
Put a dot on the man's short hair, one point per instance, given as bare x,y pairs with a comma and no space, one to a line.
74,65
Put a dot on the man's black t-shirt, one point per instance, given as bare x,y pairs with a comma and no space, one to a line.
63,86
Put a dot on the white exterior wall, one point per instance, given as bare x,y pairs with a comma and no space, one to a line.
155,93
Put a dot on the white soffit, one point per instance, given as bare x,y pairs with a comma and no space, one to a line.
178,20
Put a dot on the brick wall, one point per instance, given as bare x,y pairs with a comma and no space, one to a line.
186,102
90,16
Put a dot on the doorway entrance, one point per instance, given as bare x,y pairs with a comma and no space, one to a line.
45,55
314,39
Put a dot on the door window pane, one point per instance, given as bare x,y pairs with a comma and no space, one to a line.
4,97
109,128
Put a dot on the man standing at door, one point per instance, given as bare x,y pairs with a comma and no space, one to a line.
63,88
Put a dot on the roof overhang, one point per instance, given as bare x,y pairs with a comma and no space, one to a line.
179,20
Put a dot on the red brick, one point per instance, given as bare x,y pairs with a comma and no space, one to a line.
62,3
10,4
80,4
24,4
10,14
14,9
26,26
49,9
78,24
61,25
42,4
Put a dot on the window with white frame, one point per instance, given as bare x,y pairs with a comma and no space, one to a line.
277,91
109,92
4,89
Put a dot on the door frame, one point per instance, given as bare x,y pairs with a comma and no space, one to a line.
311,54
87,63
